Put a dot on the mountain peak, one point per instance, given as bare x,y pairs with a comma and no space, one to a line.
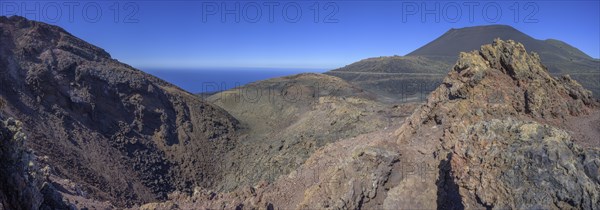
498,29
457,40
466,39
491,26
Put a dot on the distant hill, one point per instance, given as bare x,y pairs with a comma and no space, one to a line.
395,78
398,64
437,56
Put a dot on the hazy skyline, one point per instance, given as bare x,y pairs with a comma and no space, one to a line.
327,35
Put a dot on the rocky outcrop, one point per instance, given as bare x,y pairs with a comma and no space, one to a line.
501,123
24,182
499,81
125,136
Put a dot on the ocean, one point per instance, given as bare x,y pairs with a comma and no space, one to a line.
214,80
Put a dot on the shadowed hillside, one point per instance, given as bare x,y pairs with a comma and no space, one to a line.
120,134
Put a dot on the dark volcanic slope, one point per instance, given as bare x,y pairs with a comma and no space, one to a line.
467,39
123,135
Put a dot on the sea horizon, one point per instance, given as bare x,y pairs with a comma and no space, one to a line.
207,80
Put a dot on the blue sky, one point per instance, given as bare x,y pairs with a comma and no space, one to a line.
192,34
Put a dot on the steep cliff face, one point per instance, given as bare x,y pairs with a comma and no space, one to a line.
126,136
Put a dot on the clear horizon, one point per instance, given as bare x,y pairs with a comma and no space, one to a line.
273,35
